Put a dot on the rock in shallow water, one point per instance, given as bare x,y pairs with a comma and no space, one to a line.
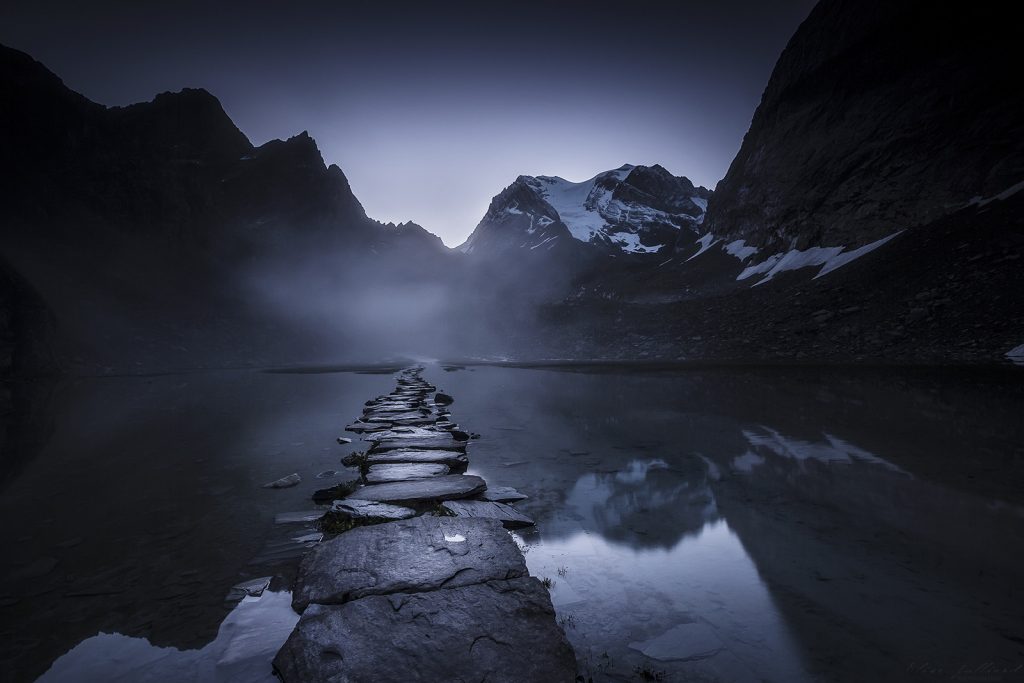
506,514
419,554
380,474
502,494
284,482
500,631
435,489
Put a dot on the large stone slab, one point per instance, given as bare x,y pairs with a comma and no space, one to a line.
506,514
371,509
500,632
420,554
452,459
449,487
384,473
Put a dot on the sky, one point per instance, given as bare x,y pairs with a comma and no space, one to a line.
431,109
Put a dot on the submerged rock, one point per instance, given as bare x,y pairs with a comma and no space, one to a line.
502,494
253,588
419,554
344,440
501,631
325,496
380,474
284,482
506,514
303,517
418,491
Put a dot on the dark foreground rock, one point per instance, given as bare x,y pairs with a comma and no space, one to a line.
485,509
497,631
422,554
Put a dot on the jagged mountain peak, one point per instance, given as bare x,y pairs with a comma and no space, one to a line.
631,209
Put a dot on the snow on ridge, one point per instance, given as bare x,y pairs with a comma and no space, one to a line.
589,211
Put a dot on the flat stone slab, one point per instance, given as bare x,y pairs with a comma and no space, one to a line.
441,442
448,487
502,494
362,427
384,473
420,554
506,514
453,459
371,509
500,632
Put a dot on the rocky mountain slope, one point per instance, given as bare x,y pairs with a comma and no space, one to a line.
631,210
879,116
158,235
872,213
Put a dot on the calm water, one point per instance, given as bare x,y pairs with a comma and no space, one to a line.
736,525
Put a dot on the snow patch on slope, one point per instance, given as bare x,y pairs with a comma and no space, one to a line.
830,258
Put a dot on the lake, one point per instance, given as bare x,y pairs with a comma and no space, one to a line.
696,523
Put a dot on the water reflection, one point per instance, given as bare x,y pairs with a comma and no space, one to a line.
644,503
741,525
246,642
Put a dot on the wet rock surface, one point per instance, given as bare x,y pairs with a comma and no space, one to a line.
421,554
417,491
495,631
484,509
445,595
453,459
378,474
368,509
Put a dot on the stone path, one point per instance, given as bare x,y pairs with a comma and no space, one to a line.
422,582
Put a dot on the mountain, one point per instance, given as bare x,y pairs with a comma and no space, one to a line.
879,116
873,211
631,210
157,234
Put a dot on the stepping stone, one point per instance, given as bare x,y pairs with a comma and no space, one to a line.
506,514
303,517
362,427
284,482
502,494
420,554
419,491
500,631
441,442
369,509
380,474
453,459
443,399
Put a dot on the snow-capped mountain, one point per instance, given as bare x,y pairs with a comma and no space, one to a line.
632,209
